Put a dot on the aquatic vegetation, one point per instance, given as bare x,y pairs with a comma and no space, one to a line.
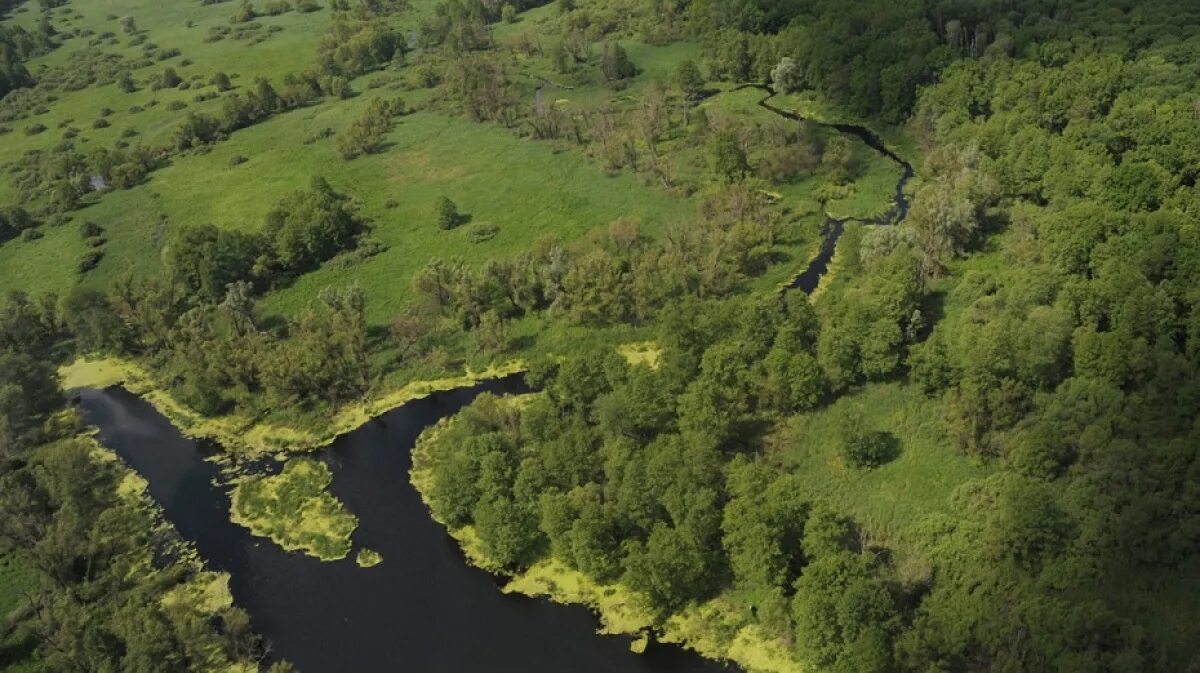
368,558
295,511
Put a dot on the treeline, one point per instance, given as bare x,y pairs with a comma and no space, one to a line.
617,276
197,325
645,475
873,57
18,45
104,598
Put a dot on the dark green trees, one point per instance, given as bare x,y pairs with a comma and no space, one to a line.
304,229
689,79
311,225
727,157
207,260
29,393
845,614
615,65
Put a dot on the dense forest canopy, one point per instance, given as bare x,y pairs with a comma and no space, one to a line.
973,448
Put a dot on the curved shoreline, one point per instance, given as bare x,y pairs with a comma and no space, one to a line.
700,628
252,437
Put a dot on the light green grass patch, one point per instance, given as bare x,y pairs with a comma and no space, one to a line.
294,509
891,500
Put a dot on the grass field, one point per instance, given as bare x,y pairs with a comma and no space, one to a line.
525,188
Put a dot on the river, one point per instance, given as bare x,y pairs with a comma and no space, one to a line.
423,610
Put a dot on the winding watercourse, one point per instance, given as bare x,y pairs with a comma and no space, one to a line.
424,609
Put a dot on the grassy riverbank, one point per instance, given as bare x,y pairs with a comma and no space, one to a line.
248,435
709,628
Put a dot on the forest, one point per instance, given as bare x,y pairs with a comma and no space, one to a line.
971,447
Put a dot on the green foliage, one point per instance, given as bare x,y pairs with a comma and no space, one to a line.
29,393
689,79
446,213
860,446
726,157
367,132
615,65
206,260
311,225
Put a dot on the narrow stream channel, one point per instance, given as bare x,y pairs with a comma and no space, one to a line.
423,610
834,227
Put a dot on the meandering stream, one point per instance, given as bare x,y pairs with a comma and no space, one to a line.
834,227
423,610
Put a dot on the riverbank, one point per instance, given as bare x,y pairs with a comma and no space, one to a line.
710,629
247,435
204,591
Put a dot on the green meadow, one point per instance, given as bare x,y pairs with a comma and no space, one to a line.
527,189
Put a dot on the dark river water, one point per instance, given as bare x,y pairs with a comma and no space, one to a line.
423,610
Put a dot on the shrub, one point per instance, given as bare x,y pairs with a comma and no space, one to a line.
31,235
101,123
89,229
237,160
478,233
34,129
861,446
176,105
89,260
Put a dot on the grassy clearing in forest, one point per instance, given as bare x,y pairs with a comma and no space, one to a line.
894,498
295,511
